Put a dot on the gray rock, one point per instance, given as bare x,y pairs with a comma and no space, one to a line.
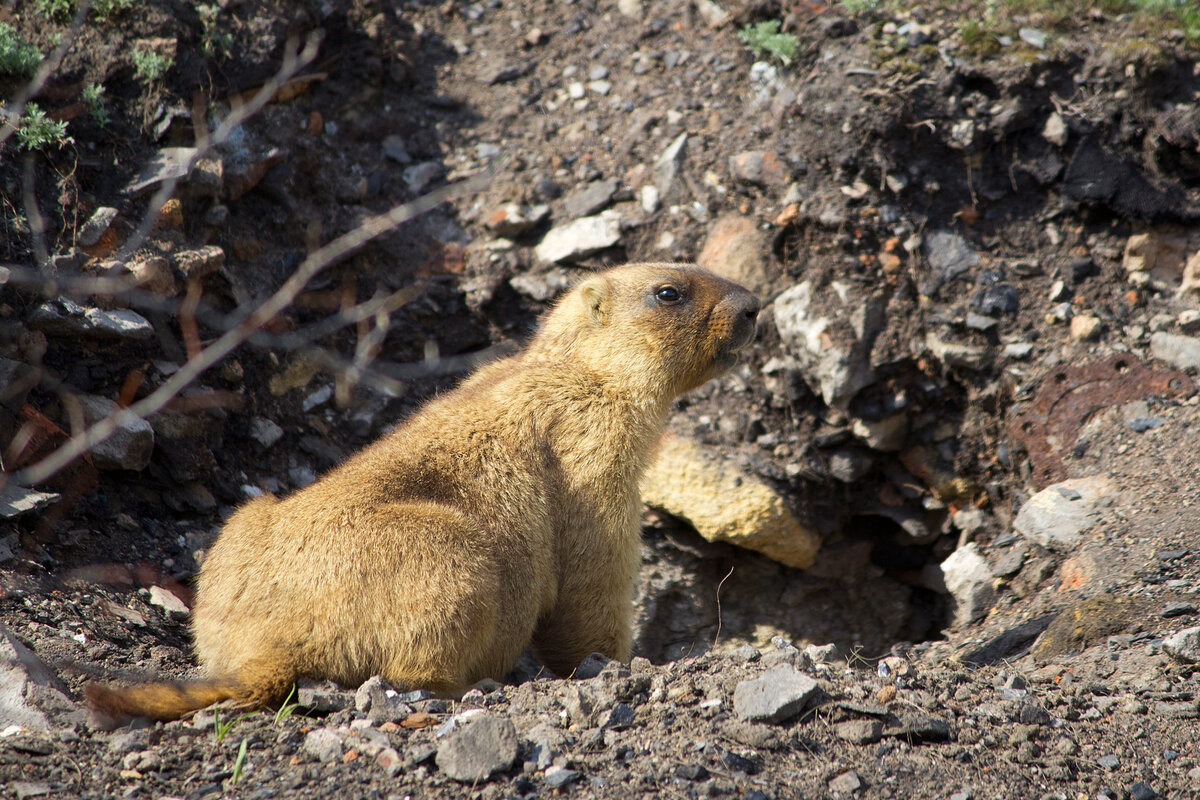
167,163
24,789
323,744
265,432
949,255
860,731
96,226
1057,516
393,148
1033,37
1179,351
1184,645
968,578
846,783
31,697
200,263
480,749
63,317
17,500
981,322
1110,761
822,653
419,177
512,219
778,694
168,602
324,698
381,702
580,238
541,286
617,718
130,447
592,666
558,777
920,728
596,196
666,168
834,358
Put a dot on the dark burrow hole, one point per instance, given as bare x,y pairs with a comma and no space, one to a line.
869,591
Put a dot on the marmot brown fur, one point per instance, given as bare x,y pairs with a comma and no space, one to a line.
502,514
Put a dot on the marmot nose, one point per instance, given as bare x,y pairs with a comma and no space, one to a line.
748,305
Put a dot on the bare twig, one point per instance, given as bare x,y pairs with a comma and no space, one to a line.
325,256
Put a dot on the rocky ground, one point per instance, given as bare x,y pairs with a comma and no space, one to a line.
943,538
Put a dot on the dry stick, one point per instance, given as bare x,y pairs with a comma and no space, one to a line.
334,251
719,585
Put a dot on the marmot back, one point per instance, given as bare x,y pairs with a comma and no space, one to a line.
502,514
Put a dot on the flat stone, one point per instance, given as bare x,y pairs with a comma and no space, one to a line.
130,447
1057,516
580,238
31,697
97,225
200,263
484,746
324,698
725,503
1109,761
594,197
557,777
761,168
420,177
949,255
63,317
846,783
167,163
920,728
777,695
168,602
1179,351
265,431
1184,645
860,731
17,500
24,789
512,219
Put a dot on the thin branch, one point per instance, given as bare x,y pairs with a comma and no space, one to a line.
325,256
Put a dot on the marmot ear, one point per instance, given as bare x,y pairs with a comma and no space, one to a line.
595,295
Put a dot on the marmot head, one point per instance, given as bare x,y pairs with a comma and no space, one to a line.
658,328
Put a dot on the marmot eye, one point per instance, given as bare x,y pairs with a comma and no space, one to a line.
668,294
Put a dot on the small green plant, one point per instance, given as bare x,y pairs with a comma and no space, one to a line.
858,6
55,10
239,763
17,58
765,39
213,42
93,98
288,708
39,132
222,729
149,65
103,9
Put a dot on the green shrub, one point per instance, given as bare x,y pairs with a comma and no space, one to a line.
93,98
39,132
149,65
765,39
103,9
55,10
17,58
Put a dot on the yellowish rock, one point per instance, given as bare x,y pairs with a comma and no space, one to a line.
725,504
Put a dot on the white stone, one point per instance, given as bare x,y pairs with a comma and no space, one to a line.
1179,351
1057,516
580,238
968,579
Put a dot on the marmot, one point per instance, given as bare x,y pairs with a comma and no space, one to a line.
503,513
